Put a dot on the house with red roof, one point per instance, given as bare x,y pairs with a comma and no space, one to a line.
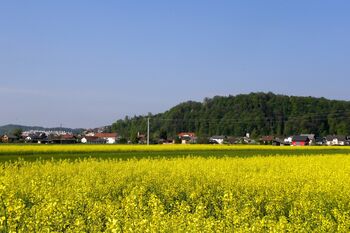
110,138
187,137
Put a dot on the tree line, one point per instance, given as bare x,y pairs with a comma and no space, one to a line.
255,113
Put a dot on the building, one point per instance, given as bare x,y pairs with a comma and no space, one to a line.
288,140
320,141
267,140
233,140
279,142
141,138
100,138
187,137
335,140
311,137
93,140
300,140
166,141
62,139
38,137
110,138
7,138
88,139
217,139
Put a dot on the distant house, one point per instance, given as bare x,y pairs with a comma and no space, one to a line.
166,141
336,140
320,141
40,138
28,139
141,138
241,140
187,138
88,139
248,140
311,138
267,140
288,140
272,140
93,140
279,142
300,140
8,138
233,140
217,139
89,133
62,139
110,138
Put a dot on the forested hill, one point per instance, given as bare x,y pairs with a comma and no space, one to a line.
256,113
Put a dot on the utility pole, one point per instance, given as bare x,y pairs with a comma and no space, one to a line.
148,131
60,133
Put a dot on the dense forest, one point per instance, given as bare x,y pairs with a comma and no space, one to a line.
256,113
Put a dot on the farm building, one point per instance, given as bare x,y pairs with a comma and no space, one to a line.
300,140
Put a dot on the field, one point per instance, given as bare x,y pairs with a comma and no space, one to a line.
27,152
174,189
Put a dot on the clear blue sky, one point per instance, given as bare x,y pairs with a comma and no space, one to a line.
88,63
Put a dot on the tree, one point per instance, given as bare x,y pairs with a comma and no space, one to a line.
163,134
17,132
258,113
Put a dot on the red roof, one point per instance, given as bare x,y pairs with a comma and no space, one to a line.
186,134
106,135
91,137
67,136
267,138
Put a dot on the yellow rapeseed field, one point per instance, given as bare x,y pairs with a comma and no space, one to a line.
193,194
80,148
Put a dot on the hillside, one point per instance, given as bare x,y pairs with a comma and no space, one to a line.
10,128
256,113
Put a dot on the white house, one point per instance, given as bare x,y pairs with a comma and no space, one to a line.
217,139
288,140
93,140
335,140
110,138
187,137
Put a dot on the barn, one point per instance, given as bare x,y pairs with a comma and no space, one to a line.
300,141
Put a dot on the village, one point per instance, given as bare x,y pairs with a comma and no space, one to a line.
91,137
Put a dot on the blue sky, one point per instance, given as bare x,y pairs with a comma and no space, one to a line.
88,63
